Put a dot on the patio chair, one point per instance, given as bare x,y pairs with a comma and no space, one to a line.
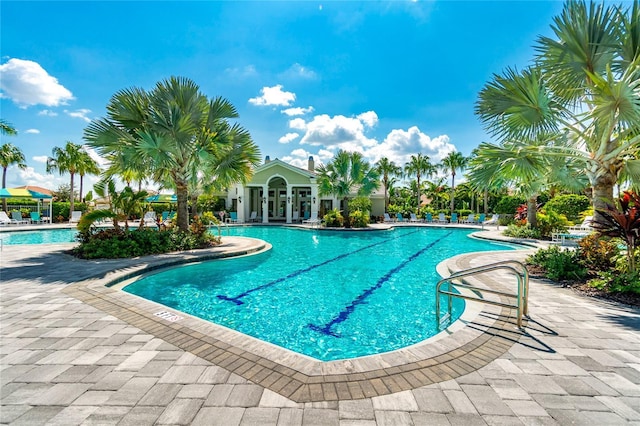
399,217
387,218
313,219
165,216
16,217
492,221
254,216
35,217
481,218
233,217
413,218
75,216
4,219
454,217
296,217
150,219
470,219
428,218
586,225
442,218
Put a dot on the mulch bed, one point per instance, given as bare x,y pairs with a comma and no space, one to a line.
582,288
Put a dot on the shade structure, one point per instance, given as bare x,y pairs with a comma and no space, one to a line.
27,193
162,198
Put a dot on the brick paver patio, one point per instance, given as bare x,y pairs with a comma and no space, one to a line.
73,351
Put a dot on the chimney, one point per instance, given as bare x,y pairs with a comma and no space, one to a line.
267,159
311,166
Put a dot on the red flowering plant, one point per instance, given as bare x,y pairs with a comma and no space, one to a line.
623,221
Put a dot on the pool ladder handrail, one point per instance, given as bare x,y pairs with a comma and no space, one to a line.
522,295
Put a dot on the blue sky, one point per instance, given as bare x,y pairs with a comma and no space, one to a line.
308,78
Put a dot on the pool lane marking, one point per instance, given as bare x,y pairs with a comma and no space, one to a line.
237,299
344,314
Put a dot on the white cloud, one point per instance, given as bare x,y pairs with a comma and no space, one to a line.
299,71
297,111
27,83
369,118
274,96
40,158
102,162
32,131
79,113
243,72
48,113
337,132
289,137
29,176
400,145
298,124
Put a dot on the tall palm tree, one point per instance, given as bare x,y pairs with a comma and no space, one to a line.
177,134
347,173
66,160
586,82
388,170
6,128
418,166
452,162
86,166
10,154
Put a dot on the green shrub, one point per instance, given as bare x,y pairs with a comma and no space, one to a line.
617,282
570,205
333,219
558,264
550,222
359,219
509,204
521,231
598,253
208,218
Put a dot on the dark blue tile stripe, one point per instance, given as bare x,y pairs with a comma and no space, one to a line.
344,314
237,299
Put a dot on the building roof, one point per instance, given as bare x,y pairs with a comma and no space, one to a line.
36,189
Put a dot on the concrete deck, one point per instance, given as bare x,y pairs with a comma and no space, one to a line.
73,351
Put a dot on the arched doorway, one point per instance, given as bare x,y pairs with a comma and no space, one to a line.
277,199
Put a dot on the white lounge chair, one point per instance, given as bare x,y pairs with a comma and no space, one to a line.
313,219
492,221
586,225
442,218
4,219
150,219
75,216
253,217
470,219
296,217
413,218
387,218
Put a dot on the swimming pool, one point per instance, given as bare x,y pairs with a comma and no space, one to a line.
41,236
326,294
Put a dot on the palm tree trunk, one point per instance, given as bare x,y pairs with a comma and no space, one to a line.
183,212
347,223
532,210
486,201
453,191
602,193
4,185
71,197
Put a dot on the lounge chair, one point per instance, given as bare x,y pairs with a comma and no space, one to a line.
296,217
4,219
470,219
399,217
387,218
165,216
442,218
586,225
233,217
413,218
481,218
253,217
16,217
428,218
150,219
492,221
75,216
313,219
35,217
454,217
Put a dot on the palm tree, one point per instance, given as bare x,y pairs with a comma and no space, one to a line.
86,166
7,129
10,154
66,160
452,162
418,166
177,135
586,83
345,174
387,169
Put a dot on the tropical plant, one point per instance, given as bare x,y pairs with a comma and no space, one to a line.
86,166
586,83
66,160
570,205
7,129
623,222
558,264
10,154
347,173
452,162
177,135
419,165
388,170
333,218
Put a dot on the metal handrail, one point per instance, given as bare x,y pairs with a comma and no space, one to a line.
521,296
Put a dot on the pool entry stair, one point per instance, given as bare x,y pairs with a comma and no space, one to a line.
455,286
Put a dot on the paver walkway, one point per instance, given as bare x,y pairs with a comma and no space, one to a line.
63,361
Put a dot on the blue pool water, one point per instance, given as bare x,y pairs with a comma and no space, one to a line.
329,295
43,236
